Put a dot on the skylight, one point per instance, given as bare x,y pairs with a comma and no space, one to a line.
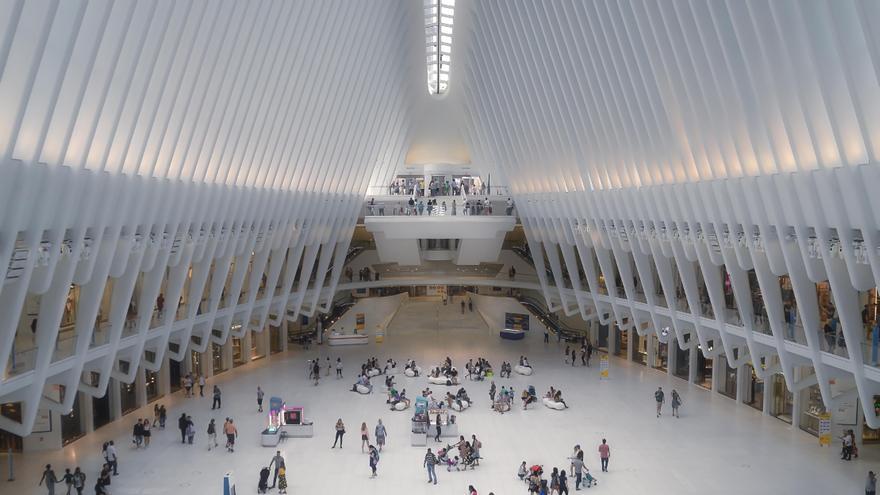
438,43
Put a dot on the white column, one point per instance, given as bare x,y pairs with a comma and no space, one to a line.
719,369
649,344
86,412
140,387
672,351
742,379
115,399
692,362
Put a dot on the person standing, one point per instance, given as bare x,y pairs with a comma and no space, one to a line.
871,484
112,457
138,434
338,368
231,433
212,434
216,403
50,479
660,398
278,462
340,431
476,445
563,483
329,365
676,403
437,437
190,430
365,436
604,455
492,395
381,433
429,463
462,306
577,466
374,460
260,395
202,383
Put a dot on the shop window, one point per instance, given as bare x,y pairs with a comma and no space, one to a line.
811,408
621,344
128,397
100,405
12,411
603,337
217,358
152,385
869,435
783,400
704,370
661,355
728,388
71,423
640,348
275,336
682,363
754,392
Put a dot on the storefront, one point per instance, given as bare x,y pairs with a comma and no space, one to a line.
152,385
11,410
869,435
100,405
640,348
275,339
72,423
811,408
661,355
603,337
238,353
176,372
754,391
195,358
728,386
217,358
621,342
704,369
782,405
682,363
127,397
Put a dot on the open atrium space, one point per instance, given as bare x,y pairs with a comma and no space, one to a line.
451,247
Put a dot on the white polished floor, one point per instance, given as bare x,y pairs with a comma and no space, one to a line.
715,448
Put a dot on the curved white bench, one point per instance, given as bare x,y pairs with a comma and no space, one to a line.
393,371
464,405
373,372
552,404
363,389
523,370
400,406
410,373
440,380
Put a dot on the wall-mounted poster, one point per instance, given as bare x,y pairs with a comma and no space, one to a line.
43,423
359,322
516,321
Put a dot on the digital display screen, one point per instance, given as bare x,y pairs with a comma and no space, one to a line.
293,417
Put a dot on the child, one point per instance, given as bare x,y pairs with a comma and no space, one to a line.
523,471
282,480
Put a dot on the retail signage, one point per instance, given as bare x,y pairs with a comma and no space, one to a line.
603,367
516,321
43,423
359,320
825,429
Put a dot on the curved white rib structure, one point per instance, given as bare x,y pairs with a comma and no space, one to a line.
213,152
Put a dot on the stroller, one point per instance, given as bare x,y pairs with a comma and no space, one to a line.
263,486
470,461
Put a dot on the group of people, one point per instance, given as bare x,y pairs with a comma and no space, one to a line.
571,353
505,398
558,482
75,480
380,432
660,399
479,370
141,433
279,478
189,382
364,274
556,396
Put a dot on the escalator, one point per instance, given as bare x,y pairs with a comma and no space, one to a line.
526,254
569,334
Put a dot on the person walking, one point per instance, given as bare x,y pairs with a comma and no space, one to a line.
660,398
181,425
282,480
676,403
871,484
148,435
278,462
68,479
138,434
216,403
365,436
231,434
604,455
437,437
563,483
340,431
381,433
429,463
202,383
212,434
492,395
476,445
50,479
190,430
577,465
79,480
338,368
260,395
462,306
374,460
